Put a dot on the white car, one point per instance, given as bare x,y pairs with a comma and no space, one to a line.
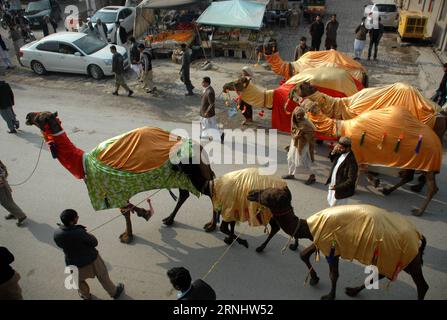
386,10
70,52
110,15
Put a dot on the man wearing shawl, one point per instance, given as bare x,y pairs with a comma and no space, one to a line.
302,145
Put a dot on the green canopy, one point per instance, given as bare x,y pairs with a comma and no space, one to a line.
234,14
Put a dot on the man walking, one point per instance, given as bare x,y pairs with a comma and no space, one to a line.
118,70
17,41
184,71
331,33
441,92
208,120
79,248
360,38
302,145
187,290
374,38
301,49
146,68
135,56
48,26
6,104
6,199
4,55
316,32
101,29
343,176
9,278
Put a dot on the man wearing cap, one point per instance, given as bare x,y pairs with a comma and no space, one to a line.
343,177
80,251
301,150
247,110
197,290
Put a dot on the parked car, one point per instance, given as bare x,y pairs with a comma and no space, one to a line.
71,52
37,10
110,15
387,11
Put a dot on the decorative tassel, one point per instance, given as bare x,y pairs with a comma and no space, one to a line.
375,256
106,201
380,145
261,113
317,255
418,146
362,139
397,270
330,258
172,195
53,150
396,148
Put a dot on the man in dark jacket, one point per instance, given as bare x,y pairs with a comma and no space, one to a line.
146,68
208,121
48,26
9,278
79,249
184,70
374,38
331,33
441,92
301,49
316,31
343,177
6,104
198,290
118,70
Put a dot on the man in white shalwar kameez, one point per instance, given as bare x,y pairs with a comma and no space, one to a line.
208,122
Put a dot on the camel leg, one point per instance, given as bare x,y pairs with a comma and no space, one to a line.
231,237
211,226
432,189
305,257
354,291
127,236
421,183
294,245
415,270
275,228
372,179
406,177
184,194
333,274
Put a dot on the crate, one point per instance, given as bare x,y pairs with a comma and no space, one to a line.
412,24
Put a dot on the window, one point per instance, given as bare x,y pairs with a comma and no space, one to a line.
66,49
50,46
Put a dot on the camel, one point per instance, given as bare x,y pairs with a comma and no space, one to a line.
316,59
351,232
187,177
399,94
390,137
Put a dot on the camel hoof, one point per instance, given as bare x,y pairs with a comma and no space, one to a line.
209,227
314,281
125,238
168,221
352,292
260,249
328,297
385,191
416,188
417,212
243,242
293,246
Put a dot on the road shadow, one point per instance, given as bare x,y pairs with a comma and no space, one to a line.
43,232
30,137
432,256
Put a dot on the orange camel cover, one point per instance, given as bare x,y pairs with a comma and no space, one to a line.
399,94
362,232
381,129
316,59
130,151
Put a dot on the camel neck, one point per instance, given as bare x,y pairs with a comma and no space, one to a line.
304,231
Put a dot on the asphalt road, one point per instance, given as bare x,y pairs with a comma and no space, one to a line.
242,273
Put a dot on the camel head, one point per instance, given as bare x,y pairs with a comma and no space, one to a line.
276,199
44,121
305,89
239,85
310,106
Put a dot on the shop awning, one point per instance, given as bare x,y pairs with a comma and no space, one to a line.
234,14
